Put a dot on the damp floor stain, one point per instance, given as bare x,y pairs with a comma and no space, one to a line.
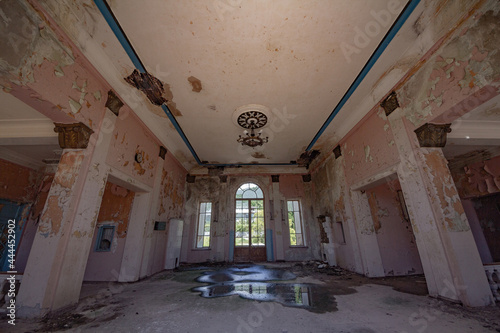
259,283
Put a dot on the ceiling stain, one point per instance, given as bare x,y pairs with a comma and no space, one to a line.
258,154
195,83
170,103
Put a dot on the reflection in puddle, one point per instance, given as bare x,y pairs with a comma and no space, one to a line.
298,295
240,280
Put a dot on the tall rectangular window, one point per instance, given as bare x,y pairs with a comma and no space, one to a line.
295,223
204,220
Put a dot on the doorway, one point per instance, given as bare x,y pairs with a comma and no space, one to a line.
250,231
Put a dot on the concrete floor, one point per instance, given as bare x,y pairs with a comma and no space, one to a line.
350,303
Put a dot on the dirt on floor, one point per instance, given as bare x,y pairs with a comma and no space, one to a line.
108,300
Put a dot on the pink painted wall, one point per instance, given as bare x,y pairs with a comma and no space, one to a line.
394,234
25,185
115,210
369,148
478,179
457,75
130,137
171,205
30,229
292,187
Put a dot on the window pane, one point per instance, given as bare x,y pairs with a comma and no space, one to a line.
259,193
295,223
249,194
298,227
203,230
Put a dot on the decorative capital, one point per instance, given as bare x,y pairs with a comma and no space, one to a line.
163,152
337,152
113,103
390,103
73,136
432,135
275,178
306,178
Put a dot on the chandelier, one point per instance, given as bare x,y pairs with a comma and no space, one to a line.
252,120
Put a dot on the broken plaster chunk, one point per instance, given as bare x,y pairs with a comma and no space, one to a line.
58,72
75,106
82,97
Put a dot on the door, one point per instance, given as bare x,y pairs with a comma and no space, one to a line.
250,231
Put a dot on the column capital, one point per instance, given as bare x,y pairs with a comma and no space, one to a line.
432,135
73,136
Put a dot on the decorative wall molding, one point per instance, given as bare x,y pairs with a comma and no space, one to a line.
337,151
163,152
432,135
73,136
114,103
390,104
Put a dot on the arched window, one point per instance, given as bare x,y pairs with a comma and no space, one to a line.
249,224
249,191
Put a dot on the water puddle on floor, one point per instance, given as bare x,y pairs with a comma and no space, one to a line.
255,282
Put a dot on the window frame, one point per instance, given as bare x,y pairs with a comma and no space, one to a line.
199,214
302,225
100,234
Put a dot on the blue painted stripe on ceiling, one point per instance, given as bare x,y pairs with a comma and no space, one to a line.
119,33
127,46
180,131
368,66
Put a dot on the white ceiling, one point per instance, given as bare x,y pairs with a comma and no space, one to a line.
477,130
26,136
284,55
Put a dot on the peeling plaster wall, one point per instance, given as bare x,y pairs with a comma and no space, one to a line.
222,196
18,183
396,241
369,148
131,138
115,210
171,205
30,229
25,185
207,189
332,199
478,179
459,75
292,187
43,69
